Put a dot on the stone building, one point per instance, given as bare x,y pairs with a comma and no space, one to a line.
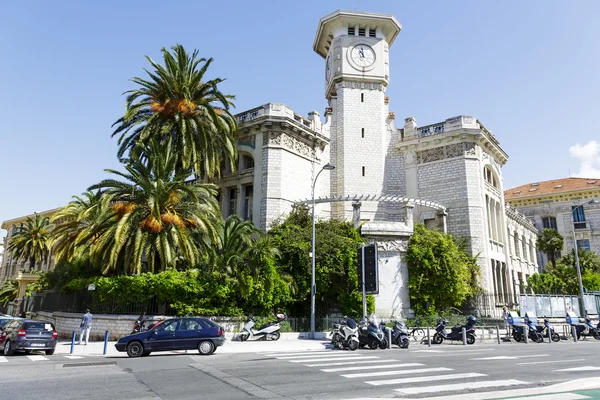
555,204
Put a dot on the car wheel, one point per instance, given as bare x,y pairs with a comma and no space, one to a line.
244,336
275,335
206,347
49,352
8,351
353,345
146,353
135,349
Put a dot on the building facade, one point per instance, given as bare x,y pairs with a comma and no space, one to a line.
555,204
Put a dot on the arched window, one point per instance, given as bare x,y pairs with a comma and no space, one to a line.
490,177
531,252
517,249
524,243
247,162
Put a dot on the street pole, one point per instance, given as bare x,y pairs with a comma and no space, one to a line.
313,286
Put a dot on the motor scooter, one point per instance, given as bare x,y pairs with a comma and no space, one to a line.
587,329
370,334
266,331
400,334
534,334
456,332
547,329
142,324
345,335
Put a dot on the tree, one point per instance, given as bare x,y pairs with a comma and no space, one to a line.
441,272
9,291
32,242
179,107
155,213
336,263
550,242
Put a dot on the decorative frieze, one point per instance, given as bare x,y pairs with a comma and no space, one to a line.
359,85
274,138
443,152
249,140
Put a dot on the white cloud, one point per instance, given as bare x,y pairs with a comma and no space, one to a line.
588,156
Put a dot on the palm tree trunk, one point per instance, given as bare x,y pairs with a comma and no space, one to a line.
31,263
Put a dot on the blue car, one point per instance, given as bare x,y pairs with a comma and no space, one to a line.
175,334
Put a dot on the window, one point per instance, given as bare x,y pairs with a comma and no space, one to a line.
578,217
232,206
351,31
363,132
363,171
517,249
167,326
371,32
584,244
189,324
531,252
490,177
247,162
361,32
524,243
248,196
362,97
207,323
549,223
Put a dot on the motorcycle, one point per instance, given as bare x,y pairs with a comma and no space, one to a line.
456,332
587,329
400,334
345,335
547,329
142,324
370,334
266,331
534,334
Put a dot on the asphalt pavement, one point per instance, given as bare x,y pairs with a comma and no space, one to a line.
563,370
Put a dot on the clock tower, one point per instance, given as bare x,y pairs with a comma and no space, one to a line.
355,46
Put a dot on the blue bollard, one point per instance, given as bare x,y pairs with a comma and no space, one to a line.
72,342
105,342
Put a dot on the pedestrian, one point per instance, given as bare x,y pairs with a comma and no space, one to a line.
86,325
505,315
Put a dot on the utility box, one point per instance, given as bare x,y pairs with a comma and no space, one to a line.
513,318
572,318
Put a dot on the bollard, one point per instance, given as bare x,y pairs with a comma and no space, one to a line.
428,338
464,333
526,333
105,342
498,333
389,338
72,342
549,335
574,333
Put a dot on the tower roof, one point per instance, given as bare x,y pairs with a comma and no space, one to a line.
389,25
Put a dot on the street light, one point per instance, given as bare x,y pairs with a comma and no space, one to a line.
313,287
581,301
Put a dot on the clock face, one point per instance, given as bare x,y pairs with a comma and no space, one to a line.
328,68
363,55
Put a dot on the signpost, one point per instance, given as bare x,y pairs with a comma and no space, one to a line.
368,273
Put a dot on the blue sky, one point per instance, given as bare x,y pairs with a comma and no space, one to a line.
527,69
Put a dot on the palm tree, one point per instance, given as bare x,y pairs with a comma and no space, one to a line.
32,242
179,104
550,242
9,291
79,223
157,214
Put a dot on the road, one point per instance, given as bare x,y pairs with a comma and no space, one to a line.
482,371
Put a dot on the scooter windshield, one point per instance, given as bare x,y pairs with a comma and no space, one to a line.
374,319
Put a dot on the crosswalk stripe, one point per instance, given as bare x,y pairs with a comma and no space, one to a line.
383,366
578,369
37,358
333,359
426,379
399,372
351,362
297,353
556,396
336,354
73,357
458,386
3,359
551,361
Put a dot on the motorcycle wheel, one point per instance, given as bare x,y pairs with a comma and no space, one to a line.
373,344
596,334
353,345
275,335
244,336
555,337
403,343
538,338
437,339
383,345
470,339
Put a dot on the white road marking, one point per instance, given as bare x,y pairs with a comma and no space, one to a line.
372,367
73,357
508,357
351,363
459,386
3,359
426,379
427,351
298,353
461,350
556,396
551,361
399,372
577,369
37,358
333,359
337,354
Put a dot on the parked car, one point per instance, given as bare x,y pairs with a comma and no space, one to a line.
174,334
27,335
5,319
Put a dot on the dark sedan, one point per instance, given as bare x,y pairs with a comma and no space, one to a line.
175,334
26,335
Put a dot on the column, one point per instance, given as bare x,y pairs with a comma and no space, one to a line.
356,213
239,201
442,221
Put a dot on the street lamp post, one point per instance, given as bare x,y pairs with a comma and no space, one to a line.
313,287
581,300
